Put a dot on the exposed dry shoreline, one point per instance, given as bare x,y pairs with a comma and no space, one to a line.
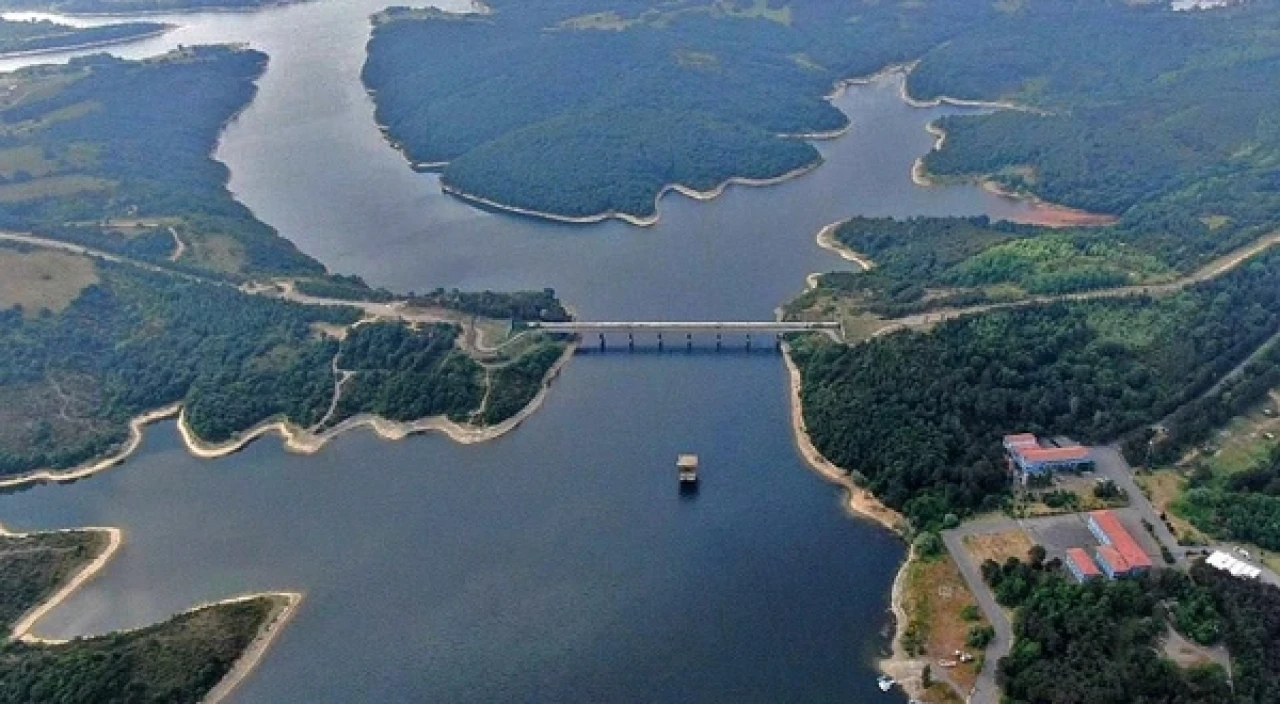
295,439
22,629
827,240
859,502
899,665
639,221
862,503
1043,213
284,606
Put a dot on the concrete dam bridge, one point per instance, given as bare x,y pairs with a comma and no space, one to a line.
675,331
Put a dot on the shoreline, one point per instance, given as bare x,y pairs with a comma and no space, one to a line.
89,45
22,629
903,668
285,605
294,438
826,240
637,220
858,502
1043,213
861,503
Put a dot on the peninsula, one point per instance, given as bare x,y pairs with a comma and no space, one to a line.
39,36
196,656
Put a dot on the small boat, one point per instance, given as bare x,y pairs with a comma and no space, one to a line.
885,683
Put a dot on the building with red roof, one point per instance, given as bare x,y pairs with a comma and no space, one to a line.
1081,565
1030,459
1115,538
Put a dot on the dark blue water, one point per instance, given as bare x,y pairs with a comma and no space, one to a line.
559,563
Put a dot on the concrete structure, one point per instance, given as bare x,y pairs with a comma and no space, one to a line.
1119,553
1081,565
688,328
687,467
1030,459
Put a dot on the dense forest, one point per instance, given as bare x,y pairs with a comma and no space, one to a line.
405,374
1123,97
1244,506
919,415
1148,114
177,661
132,340
1098,642
923,263
91,150
528,107
43,35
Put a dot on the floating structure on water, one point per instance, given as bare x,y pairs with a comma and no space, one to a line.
687,468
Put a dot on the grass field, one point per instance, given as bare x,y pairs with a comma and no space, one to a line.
43,279
52,187
934,598
998,546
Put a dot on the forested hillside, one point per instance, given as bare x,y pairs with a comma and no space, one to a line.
530,109
43,35
920,414
177,661
1100,642
1159,117
110,341
116,154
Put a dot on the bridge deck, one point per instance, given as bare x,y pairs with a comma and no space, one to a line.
687,326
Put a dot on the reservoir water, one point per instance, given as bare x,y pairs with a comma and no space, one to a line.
558,563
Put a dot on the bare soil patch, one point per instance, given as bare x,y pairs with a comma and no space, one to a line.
43,279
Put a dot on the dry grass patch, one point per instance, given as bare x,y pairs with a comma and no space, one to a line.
998,546
216,253
52,187
29,159
43,279
1163,487
935,598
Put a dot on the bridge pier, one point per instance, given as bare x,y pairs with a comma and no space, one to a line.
748,342
631,342
659,342
717,342
777,342
688,342
602,345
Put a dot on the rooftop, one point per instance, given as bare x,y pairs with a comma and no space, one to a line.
1084,564
1054,454
1021,440
1121,539
1113,557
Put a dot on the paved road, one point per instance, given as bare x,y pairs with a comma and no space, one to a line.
985,690
1112,465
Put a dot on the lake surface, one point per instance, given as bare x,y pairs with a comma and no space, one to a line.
558,563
